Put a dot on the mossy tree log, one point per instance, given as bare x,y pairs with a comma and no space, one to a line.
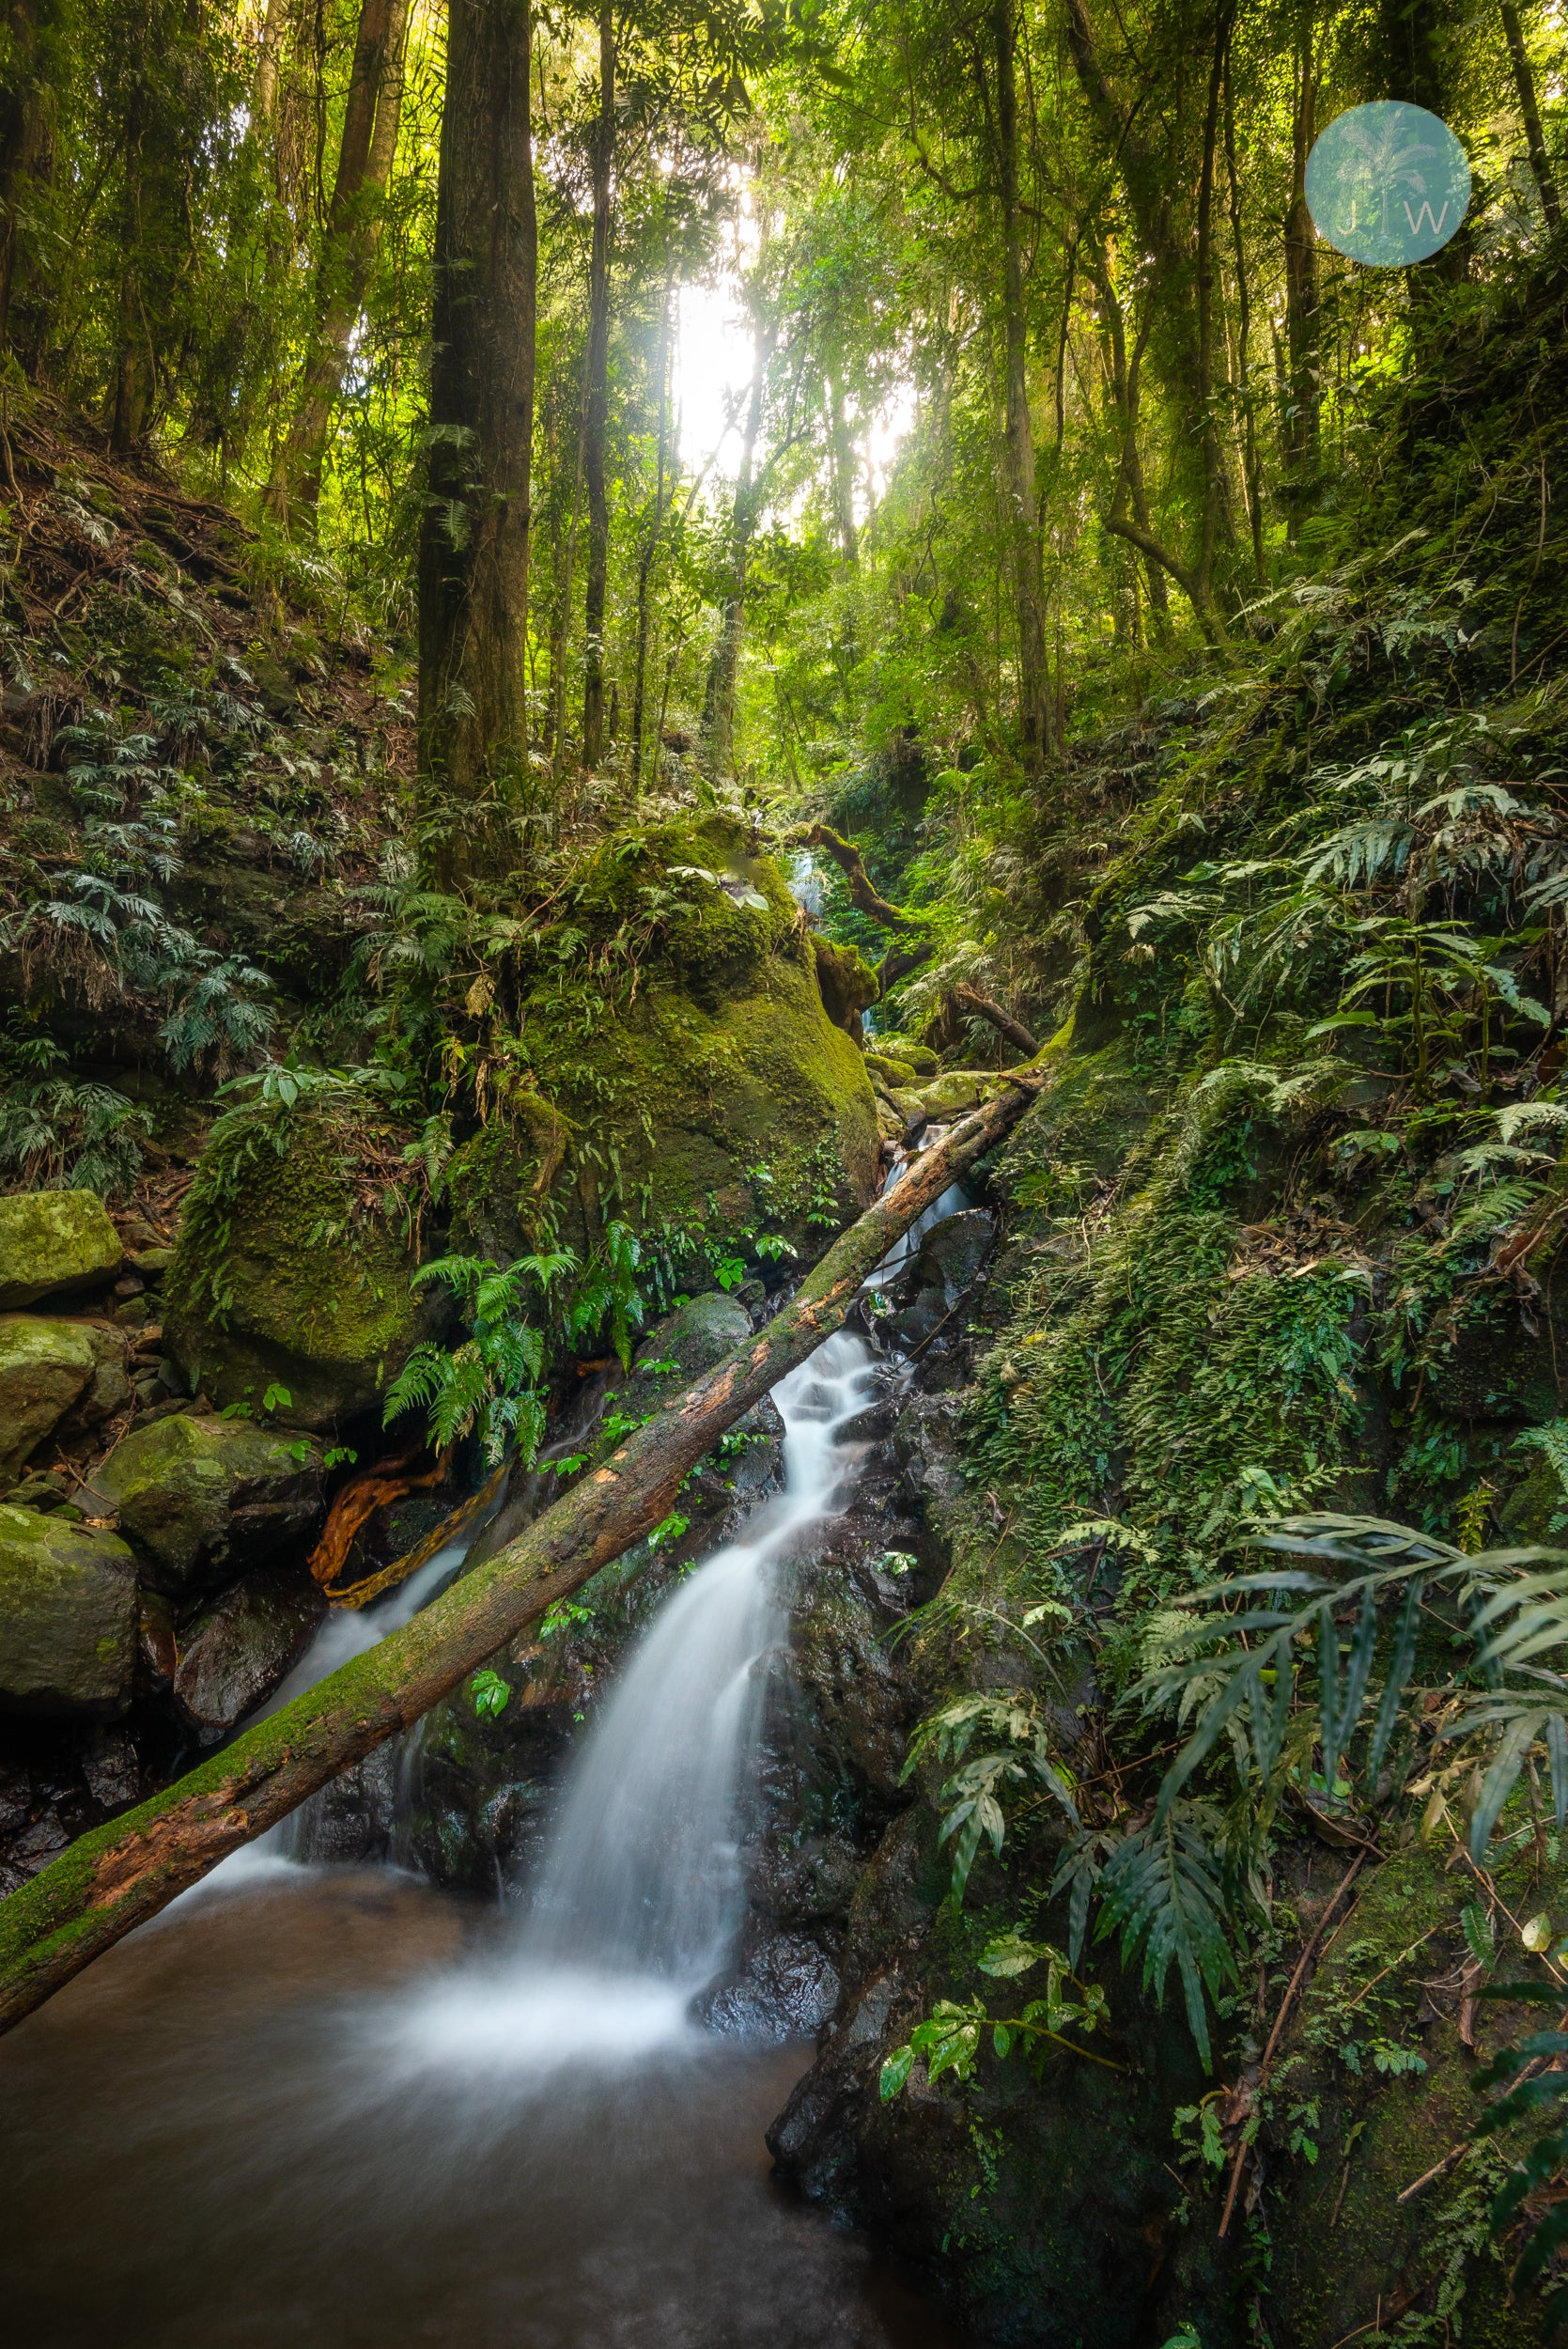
111,1881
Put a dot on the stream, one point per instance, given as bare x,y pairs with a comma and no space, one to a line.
340,2107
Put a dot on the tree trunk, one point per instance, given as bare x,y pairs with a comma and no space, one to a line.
596,413
114,1879
1124,374
1214,463
1523,82
842,457
968,999
26,150
475,536
264,85
1299,435
349,245
724,669
653,532
1036,732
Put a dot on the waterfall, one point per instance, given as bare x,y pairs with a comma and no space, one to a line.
641,1894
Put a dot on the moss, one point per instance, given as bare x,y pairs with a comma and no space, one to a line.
54,1244
706,1114
281,1278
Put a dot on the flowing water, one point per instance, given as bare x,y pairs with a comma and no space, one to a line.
332,2108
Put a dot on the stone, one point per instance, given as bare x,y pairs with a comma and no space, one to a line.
204,1498
788,1989
68,1617
235,1653
47,1367
54,1244
946,1263
960,1089
694,1337
282,1285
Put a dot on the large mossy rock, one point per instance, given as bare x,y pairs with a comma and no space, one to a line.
47,1368
68,1617
701,1090
696,1336
204,1498
282,1278
54,1244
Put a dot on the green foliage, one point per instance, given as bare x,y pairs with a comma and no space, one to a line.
58,1132
490,1694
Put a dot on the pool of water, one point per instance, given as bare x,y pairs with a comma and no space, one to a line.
240,2127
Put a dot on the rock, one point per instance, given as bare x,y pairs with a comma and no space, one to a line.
47,1367
720,1088
281,1282
951,1254
54,1244
943,1267
695,1336
235,1652
202,1498
152,1263
68,1617
788,1989
960,1089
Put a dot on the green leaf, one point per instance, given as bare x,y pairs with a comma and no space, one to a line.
491,1693
894,2072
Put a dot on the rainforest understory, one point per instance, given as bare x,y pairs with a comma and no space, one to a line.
610,623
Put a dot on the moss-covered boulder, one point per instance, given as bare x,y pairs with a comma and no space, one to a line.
203,1497
698,1088
695,1336
54,1244
289,1280
68,1617
47,1368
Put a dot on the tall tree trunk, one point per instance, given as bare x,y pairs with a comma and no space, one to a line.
1036,731
561,607
1209,275
1299,429
723,668
26,153
1524,84
474,537
1250,458
841,460
365,159
1124,373
116,1877
596,405
653,531
264,84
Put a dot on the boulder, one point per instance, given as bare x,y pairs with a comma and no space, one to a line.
47,1367
283,1281
946,1263
959,1090
67,1616
695,1336
235,1653
717,1087
204,1498
54,1244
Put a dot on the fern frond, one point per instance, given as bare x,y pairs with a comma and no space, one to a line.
1159,1892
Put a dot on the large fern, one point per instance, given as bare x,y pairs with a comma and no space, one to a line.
1248,1633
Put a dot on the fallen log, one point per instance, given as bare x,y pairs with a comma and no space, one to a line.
114,1878
981,1007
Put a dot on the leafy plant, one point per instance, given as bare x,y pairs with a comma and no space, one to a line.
60,1133
490,1694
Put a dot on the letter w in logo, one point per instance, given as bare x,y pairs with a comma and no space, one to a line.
1424,218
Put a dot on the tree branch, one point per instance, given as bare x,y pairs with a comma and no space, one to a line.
863,891
981,1007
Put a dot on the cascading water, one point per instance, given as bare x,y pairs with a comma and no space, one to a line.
641,1894
300,2108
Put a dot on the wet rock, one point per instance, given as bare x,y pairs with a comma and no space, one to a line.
202,1497
67,1616
235,1653
47,1367
788,1989
694,1337
54,1244
110,1770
